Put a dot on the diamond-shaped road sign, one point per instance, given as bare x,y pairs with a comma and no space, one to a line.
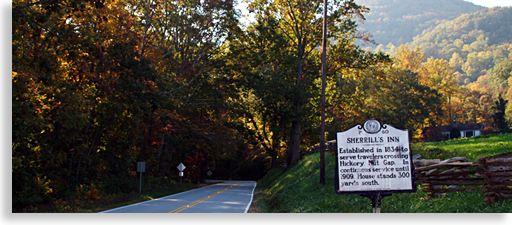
181,167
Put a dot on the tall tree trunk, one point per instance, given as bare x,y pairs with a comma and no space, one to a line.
294,148
273,157
295,132
273,153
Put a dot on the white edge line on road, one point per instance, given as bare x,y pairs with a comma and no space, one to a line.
252,195
156,199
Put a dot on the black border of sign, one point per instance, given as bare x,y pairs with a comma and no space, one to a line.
382,192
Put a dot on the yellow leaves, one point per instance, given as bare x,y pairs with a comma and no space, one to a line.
438,74
409,58
64,65
510,55
14,75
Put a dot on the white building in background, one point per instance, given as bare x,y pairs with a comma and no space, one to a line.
451,131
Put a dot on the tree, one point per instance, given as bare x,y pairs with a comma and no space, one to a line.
392,95
178,38
99,85
298,22
500,73
477,64
438,75
499,108
257,64
508,96
456,61
403,101
409,58
58,77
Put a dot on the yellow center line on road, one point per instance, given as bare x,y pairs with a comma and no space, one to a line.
201,200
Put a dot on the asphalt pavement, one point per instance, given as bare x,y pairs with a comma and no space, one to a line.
225,197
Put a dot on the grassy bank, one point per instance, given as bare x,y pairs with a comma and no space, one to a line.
297,190
471,148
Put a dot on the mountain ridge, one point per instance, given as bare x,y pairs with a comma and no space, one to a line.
473,43
398,21
474,39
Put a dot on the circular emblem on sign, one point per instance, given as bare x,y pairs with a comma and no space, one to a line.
371,126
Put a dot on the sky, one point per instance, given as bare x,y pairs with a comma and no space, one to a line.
491,3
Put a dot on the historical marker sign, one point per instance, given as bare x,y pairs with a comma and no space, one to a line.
374,159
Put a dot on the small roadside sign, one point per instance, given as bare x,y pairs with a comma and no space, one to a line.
141,167
181,167
209,173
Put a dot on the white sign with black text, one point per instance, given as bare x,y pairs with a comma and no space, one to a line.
374,158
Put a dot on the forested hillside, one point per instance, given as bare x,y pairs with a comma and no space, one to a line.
478,47
396,22
473,43
473,38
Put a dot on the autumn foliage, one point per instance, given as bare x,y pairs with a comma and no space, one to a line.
98,86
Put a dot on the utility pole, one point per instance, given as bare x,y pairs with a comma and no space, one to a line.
322,117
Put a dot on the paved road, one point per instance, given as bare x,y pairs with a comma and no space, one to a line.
226,197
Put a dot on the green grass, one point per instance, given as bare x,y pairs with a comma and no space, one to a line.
297,190
471,148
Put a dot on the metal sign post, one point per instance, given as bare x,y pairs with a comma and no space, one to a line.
374,161
376,199
141,167
181,167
